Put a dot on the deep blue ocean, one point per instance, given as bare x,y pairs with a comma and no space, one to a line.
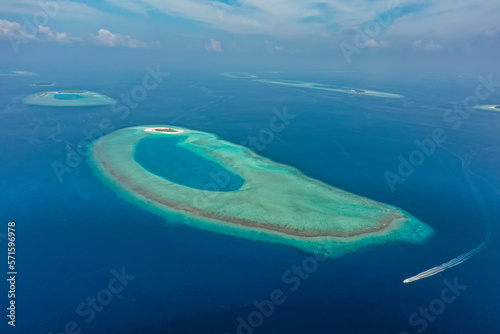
73,234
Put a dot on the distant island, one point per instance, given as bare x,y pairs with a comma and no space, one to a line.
44,84
67,98
487,107
273,202
359,91
238,75
16,73
330,88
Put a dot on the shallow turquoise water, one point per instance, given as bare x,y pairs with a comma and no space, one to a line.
162,156
67,96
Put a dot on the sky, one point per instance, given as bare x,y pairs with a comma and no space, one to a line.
459,35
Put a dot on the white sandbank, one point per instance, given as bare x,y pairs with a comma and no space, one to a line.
162,130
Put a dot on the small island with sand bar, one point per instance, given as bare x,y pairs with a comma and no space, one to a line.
330,88
195,178
17,73
488,107
164,130
238,75
69,98
43,84
359,91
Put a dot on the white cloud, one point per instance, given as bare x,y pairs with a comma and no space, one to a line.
448,19
304,18
107,38
277,17
130,5
57,37
55,9
156,44
428,46
417,44
374,44
291,19
214,46
13,30
432,46
271,47
371,43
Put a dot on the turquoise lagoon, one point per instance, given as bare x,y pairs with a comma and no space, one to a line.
69,98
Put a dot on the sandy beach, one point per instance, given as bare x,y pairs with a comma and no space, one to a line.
164,130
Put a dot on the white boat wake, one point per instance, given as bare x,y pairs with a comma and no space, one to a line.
452,263
465,256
